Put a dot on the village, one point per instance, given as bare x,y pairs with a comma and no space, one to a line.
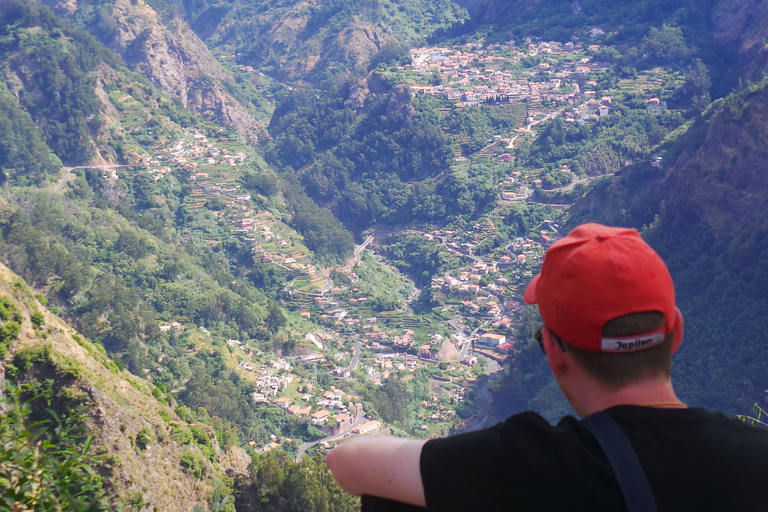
349,339
340,334
544,75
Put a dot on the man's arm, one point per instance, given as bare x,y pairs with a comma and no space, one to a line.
383,466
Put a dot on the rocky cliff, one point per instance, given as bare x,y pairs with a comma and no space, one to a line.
713,165
321,40
742,28
174,59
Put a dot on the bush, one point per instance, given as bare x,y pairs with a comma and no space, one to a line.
48,468
181,433
193,464
37,319
143,438
10,331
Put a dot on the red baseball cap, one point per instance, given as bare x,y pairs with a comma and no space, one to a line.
598,273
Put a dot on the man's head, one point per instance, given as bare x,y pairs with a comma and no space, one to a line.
593,278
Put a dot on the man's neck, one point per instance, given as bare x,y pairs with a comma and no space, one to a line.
656,393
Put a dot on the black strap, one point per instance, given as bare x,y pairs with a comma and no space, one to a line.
622,457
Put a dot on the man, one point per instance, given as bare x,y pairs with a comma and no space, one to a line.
610,328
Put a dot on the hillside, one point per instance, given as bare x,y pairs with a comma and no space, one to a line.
138,441
182,180
169,54
317,41
705,212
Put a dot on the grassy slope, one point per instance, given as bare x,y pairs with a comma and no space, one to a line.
120,405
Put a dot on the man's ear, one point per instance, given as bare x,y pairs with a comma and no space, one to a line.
557,359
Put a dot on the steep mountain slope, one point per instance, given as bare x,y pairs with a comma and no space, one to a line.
317,40
174,59
743,27
140,442
706,211
166,239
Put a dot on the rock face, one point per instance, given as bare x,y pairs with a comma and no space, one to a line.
321,41
724,177
742,26
177,62
301,51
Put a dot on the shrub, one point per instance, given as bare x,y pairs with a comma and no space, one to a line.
37,319
181,433
10,331
193,464
48,468
143,438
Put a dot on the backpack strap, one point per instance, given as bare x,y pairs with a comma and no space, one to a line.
623,459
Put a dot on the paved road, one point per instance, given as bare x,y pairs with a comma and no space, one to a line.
66,179
551,115
359,419
360,248
355,356
355,260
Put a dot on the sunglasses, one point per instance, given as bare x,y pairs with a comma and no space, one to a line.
539,337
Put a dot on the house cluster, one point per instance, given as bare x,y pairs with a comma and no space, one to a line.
267,384
438,411
332,403
207,165
512,189
176,326
190,153
591,110
472,74
396,361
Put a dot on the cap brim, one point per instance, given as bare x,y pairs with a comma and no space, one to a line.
529,297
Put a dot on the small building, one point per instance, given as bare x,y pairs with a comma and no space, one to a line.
492,340
370,426
320,417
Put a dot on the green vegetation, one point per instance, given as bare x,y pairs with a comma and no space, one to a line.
21,144
166,243
626,135
418,257
46,464
257,44
10,329
194,464
278,483
65,104
380,168
390,165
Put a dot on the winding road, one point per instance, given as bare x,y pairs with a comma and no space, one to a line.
547,117
359,419
355,356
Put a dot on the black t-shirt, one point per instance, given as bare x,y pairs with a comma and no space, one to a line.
695,460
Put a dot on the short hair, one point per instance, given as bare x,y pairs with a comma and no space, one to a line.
615,370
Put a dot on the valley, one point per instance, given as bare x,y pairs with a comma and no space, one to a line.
263,229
